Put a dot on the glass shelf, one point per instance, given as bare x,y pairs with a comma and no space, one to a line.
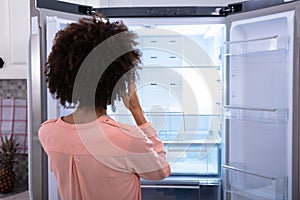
256,114
180,128
158,66
266,44
186,137
240,183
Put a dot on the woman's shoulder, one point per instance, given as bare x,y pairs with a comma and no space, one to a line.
47,125
49,121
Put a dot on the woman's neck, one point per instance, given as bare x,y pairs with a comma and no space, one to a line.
84,115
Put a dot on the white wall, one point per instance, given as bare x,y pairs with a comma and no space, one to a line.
14,38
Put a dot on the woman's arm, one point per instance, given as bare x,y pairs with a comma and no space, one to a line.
146,155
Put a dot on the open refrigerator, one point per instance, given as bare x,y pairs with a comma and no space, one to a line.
219,84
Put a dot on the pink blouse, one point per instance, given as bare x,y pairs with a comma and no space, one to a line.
103,159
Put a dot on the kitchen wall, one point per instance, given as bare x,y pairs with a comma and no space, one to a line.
14,38
14,43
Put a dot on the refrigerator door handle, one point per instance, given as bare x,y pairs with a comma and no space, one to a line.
172,186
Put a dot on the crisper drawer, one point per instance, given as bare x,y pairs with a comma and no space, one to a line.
181,190
240,184
194,159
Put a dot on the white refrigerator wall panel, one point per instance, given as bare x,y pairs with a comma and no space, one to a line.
261,62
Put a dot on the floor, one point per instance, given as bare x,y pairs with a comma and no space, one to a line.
20,196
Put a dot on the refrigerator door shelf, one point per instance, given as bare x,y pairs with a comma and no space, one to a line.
243,184
256,114
258,45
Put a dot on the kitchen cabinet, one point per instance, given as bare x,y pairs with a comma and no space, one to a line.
14,38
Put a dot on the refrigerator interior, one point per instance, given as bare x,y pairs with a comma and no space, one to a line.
180,89
259,105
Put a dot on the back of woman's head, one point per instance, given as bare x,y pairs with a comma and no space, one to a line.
71,47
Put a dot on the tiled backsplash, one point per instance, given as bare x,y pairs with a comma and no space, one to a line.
13,118
17,89
10,89
13,115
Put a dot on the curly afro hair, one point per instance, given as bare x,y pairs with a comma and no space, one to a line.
73,44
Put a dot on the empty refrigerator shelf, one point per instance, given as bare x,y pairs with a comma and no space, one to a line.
242,183
193,142
179,126
274,115
265,44
188,137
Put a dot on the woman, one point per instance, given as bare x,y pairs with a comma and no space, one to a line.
91,155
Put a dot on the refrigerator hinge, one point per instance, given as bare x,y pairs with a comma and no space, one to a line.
86,10
231,8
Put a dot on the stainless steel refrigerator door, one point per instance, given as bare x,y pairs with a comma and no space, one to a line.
37,182
40,104
262,49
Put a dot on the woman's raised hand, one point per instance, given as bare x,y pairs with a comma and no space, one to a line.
132,103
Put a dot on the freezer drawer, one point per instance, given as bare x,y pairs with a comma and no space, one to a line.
171,189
